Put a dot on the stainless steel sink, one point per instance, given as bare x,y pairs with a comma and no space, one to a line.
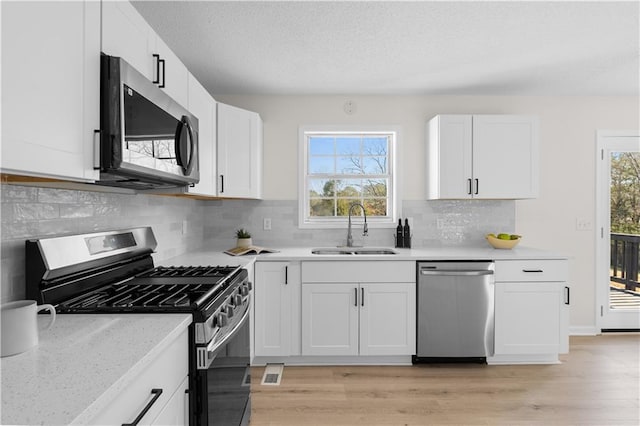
353,250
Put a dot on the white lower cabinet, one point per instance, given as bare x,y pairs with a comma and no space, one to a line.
358,308
277,308
358,318
531,307
168,373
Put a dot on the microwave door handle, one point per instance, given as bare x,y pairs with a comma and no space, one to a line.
181,155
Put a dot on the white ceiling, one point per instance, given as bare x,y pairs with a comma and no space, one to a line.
399,48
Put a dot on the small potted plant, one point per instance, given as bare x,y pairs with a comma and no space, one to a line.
244,238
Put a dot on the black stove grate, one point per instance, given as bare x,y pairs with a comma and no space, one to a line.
174,288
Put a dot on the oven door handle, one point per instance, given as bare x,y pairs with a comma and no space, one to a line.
215,345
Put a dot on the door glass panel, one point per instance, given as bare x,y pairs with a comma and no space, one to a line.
624,276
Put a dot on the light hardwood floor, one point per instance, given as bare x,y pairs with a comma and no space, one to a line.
597,383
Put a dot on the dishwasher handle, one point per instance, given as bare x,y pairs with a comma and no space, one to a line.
449,272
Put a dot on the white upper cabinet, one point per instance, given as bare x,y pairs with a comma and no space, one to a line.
50,88
203,106
482,157
239,153
126,34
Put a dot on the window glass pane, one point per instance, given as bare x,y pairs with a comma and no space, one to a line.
348,146
376,206
350,188
344,204
349,165
374,188
374,165
322,187
321,145
377,145
321,207
321,165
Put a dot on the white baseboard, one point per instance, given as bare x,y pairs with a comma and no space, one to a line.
583,330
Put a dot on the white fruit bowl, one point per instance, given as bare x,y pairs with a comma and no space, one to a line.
502,244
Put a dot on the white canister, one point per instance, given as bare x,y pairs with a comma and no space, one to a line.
20,325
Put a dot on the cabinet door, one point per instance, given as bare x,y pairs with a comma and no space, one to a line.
126,34
202,105
449,157
50,88
175,76
388,319
330,319
505,156
272,309
527,318
239,152
176,412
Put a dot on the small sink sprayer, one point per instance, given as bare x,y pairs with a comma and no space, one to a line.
365,228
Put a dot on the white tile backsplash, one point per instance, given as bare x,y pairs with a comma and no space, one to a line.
32,212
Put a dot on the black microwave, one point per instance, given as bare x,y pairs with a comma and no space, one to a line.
147,140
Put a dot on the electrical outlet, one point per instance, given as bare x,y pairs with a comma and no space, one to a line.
584,224
440,223
185,227
266,224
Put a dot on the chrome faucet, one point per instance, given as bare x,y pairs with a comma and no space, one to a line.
365,228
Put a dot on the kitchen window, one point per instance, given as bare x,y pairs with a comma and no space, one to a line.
340,166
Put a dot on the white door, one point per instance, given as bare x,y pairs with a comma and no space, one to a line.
330,319
618,230
387,319
238,152
505,156
272,309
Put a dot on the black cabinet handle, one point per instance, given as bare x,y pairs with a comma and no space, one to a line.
362,296
161,61
477,186
533,270
355,292
157,79
221,183
157,393
567,299
470,187
286,275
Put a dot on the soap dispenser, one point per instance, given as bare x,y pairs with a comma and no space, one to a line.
406,234
399,235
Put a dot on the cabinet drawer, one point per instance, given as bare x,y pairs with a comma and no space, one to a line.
166,372
388,271
531,270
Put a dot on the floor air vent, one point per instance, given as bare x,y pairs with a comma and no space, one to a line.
272,374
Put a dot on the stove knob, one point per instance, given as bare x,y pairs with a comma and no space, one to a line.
229,310
221,319
238,300
244,290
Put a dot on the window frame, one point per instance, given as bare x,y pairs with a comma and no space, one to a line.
305,221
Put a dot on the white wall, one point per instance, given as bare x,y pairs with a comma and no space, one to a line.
567,141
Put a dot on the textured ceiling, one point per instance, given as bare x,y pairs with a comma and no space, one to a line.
393,47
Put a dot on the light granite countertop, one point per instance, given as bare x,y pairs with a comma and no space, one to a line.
81,364
213,256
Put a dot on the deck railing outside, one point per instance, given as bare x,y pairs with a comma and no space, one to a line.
625,258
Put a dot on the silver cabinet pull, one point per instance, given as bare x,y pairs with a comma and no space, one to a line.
441,272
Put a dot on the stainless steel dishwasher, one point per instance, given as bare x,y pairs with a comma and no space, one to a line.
455,311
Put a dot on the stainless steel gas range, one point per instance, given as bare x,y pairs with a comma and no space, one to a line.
113,272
